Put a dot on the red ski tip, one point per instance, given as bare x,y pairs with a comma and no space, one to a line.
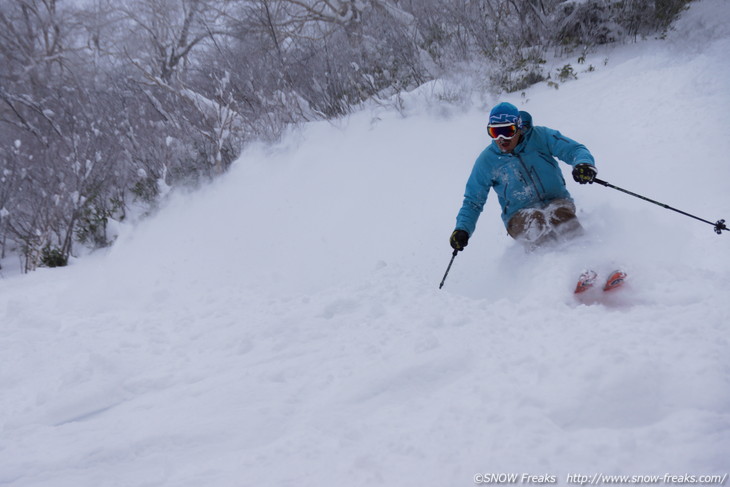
586,281
616,279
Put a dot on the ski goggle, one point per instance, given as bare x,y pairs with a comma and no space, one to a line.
504,130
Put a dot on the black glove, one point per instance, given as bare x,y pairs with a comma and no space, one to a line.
459,240
584,173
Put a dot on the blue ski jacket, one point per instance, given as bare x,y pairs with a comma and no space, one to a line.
529,177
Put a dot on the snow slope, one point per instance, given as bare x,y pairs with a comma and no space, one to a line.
284,326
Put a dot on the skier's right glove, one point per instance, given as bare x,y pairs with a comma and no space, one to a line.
459,240
584,173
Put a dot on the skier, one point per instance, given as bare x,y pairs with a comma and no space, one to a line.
520,166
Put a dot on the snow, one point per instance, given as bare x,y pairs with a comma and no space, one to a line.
284,325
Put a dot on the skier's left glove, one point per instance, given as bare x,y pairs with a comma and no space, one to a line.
584,173
459,239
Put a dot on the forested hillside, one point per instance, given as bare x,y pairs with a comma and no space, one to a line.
106,104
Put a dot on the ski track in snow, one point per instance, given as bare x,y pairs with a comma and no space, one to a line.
284,325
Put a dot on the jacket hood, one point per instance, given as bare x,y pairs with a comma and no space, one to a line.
526,120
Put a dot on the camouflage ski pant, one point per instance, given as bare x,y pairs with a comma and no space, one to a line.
535,227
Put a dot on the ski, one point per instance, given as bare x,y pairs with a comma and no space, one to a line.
615,280
586,281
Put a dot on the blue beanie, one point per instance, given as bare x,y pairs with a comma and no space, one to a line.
505,113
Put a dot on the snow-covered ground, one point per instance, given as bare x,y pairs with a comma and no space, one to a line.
284,326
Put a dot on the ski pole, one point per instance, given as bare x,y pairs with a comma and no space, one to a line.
453,256
719,225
